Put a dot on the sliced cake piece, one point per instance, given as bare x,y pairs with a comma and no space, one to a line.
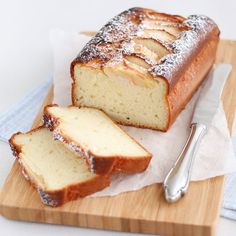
92,134
58,174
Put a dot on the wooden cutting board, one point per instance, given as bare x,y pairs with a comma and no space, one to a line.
143,211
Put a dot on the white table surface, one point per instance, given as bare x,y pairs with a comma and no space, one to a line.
26,60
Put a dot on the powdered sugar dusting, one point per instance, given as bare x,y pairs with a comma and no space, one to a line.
75,148
188,42
47,198
47,121
114,40
106,44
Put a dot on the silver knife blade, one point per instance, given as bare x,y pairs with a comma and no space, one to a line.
210,94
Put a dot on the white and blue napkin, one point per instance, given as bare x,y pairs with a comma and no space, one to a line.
20,117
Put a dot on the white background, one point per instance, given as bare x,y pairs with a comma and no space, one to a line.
26,60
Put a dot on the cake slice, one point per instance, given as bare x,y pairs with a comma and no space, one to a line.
92,134
58,174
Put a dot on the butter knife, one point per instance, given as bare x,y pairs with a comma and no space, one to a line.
177,180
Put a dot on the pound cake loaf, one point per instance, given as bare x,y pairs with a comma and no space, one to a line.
143,66
58,174
92,134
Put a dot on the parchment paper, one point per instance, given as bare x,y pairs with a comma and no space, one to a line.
215,156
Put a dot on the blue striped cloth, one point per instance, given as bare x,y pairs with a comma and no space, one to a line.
20,117
229,202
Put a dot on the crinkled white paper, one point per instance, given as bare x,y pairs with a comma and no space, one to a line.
215,156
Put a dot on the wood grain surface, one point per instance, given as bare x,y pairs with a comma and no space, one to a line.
143,211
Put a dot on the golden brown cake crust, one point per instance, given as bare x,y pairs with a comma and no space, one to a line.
63,195
192,78
98,164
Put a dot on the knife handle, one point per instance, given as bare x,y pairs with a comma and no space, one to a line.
177,180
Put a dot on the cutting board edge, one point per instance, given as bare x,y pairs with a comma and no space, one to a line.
148,227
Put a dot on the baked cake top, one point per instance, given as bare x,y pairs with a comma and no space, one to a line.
160,43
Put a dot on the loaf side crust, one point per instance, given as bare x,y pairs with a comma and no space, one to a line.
192,78
61,196
98,164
